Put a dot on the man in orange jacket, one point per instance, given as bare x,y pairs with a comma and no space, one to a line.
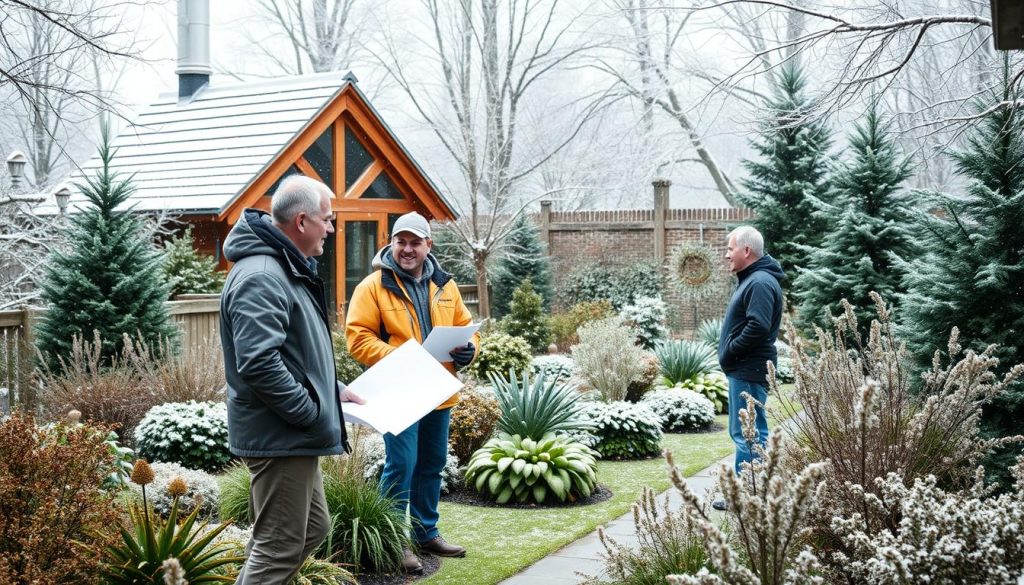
406,295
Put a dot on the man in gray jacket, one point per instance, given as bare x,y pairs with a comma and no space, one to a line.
284,401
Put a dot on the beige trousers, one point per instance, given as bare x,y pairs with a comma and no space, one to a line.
291,518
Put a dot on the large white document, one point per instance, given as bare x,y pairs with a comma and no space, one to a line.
443,339
400,389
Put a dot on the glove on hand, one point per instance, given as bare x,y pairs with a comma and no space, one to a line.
463,355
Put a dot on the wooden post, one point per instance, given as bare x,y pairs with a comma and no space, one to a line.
26,389
545,224
661,204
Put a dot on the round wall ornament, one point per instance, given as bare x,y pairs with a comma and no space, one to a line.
694,270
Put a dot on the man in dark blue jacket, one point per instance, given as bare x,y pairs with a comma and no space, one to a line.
749,330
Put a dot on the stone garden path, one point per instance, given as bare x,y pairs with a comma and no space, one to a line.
560,567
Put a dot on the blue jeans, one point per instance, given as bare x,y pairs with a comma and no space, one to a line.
736,402
412,470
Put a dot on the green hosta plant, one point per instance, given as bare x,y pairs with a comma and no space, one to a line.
681,360
538,407
511,467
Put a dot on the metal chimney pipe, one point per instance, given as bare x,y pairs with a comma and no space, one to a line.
193,47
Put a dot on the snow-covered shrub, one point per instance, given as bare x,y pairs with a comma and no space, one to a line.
680,411
194,434
203,490
555,366
647,315
607,357
372,453
784,371
942,536
499,353
619,285
624,430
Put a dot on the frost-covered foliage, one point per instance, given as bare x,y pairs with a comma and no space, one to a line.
619,285
784,372
772,502
681,411
203,490
194,434
624,430
564,326
500,353
608,358
534,407
372,454
647,315
560,367
942,537
545,470
188,271
867,414
713,386
527,318
708,332
473,421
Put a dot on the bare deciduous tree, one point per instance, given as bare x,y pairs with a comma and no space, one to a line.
480,73
321,35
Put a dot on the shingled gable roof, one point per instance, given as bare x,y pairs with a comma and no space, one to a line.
199,156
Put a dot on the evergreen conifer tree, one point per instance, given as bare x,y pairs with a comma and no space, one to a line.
526,258
790,178
188,271
526,318
109,281
869,232
450,251
972,276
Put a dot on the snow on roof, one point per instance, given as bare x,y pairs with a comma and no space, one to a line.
196,156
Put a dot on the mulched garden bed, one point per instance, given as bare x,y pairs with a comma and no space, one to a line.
460,494
431,564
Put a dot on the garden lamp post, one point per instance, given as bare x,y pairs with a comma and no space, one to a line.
63,195
16,168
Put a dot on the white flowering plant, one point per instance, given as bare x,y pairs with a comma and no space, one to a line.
624,430
193,434
553,367
681,411
203,490
648,316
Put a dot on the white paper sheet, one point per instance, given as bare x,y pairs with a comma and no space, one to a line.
443,339
400,389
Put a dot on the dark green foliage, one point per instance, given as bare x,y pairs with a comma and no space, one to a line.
188,271
972,275
525,258
526,318
682,360
348,368
451,252
789,179
869,234
534,408
500,353
619,285
110,281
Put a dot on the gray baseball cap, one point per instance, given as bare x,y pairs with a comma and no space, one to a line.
412,222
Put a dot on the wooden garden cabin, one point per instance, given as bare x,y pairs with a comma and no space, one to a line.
206,156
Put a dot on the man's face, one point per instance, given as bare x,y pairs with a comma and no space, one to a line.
739,257
315,229
410,251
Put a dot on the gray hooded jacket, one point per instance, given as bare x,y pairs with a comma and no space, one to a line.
278,357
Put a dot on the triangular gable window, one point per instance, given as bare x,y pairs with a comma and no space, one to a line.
292,170
320,156
357,158
382,188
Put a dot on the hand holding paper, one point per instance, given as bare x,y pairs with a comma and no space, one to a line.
442,340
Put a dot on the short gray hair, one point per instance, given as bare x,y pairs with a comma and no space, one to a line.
748,236
296,194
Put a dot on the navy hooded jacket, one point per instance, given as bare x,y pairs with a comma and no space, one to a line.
752,321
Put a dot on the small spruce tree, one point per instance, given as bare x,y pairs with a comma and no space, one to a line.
188,271
870,234
972,276
525,257
788,182
110,280
526,318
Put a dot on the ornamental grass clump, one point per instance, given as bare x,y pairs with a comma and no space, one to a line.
549,469
864,414
668,542
771,504
534,408
608,358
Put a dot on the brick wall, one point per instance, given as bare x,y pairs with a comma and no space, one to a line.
620,237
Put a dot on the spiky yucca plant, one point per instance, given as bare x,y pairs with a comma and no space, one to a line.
553,468
681,360
534,408
709,331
